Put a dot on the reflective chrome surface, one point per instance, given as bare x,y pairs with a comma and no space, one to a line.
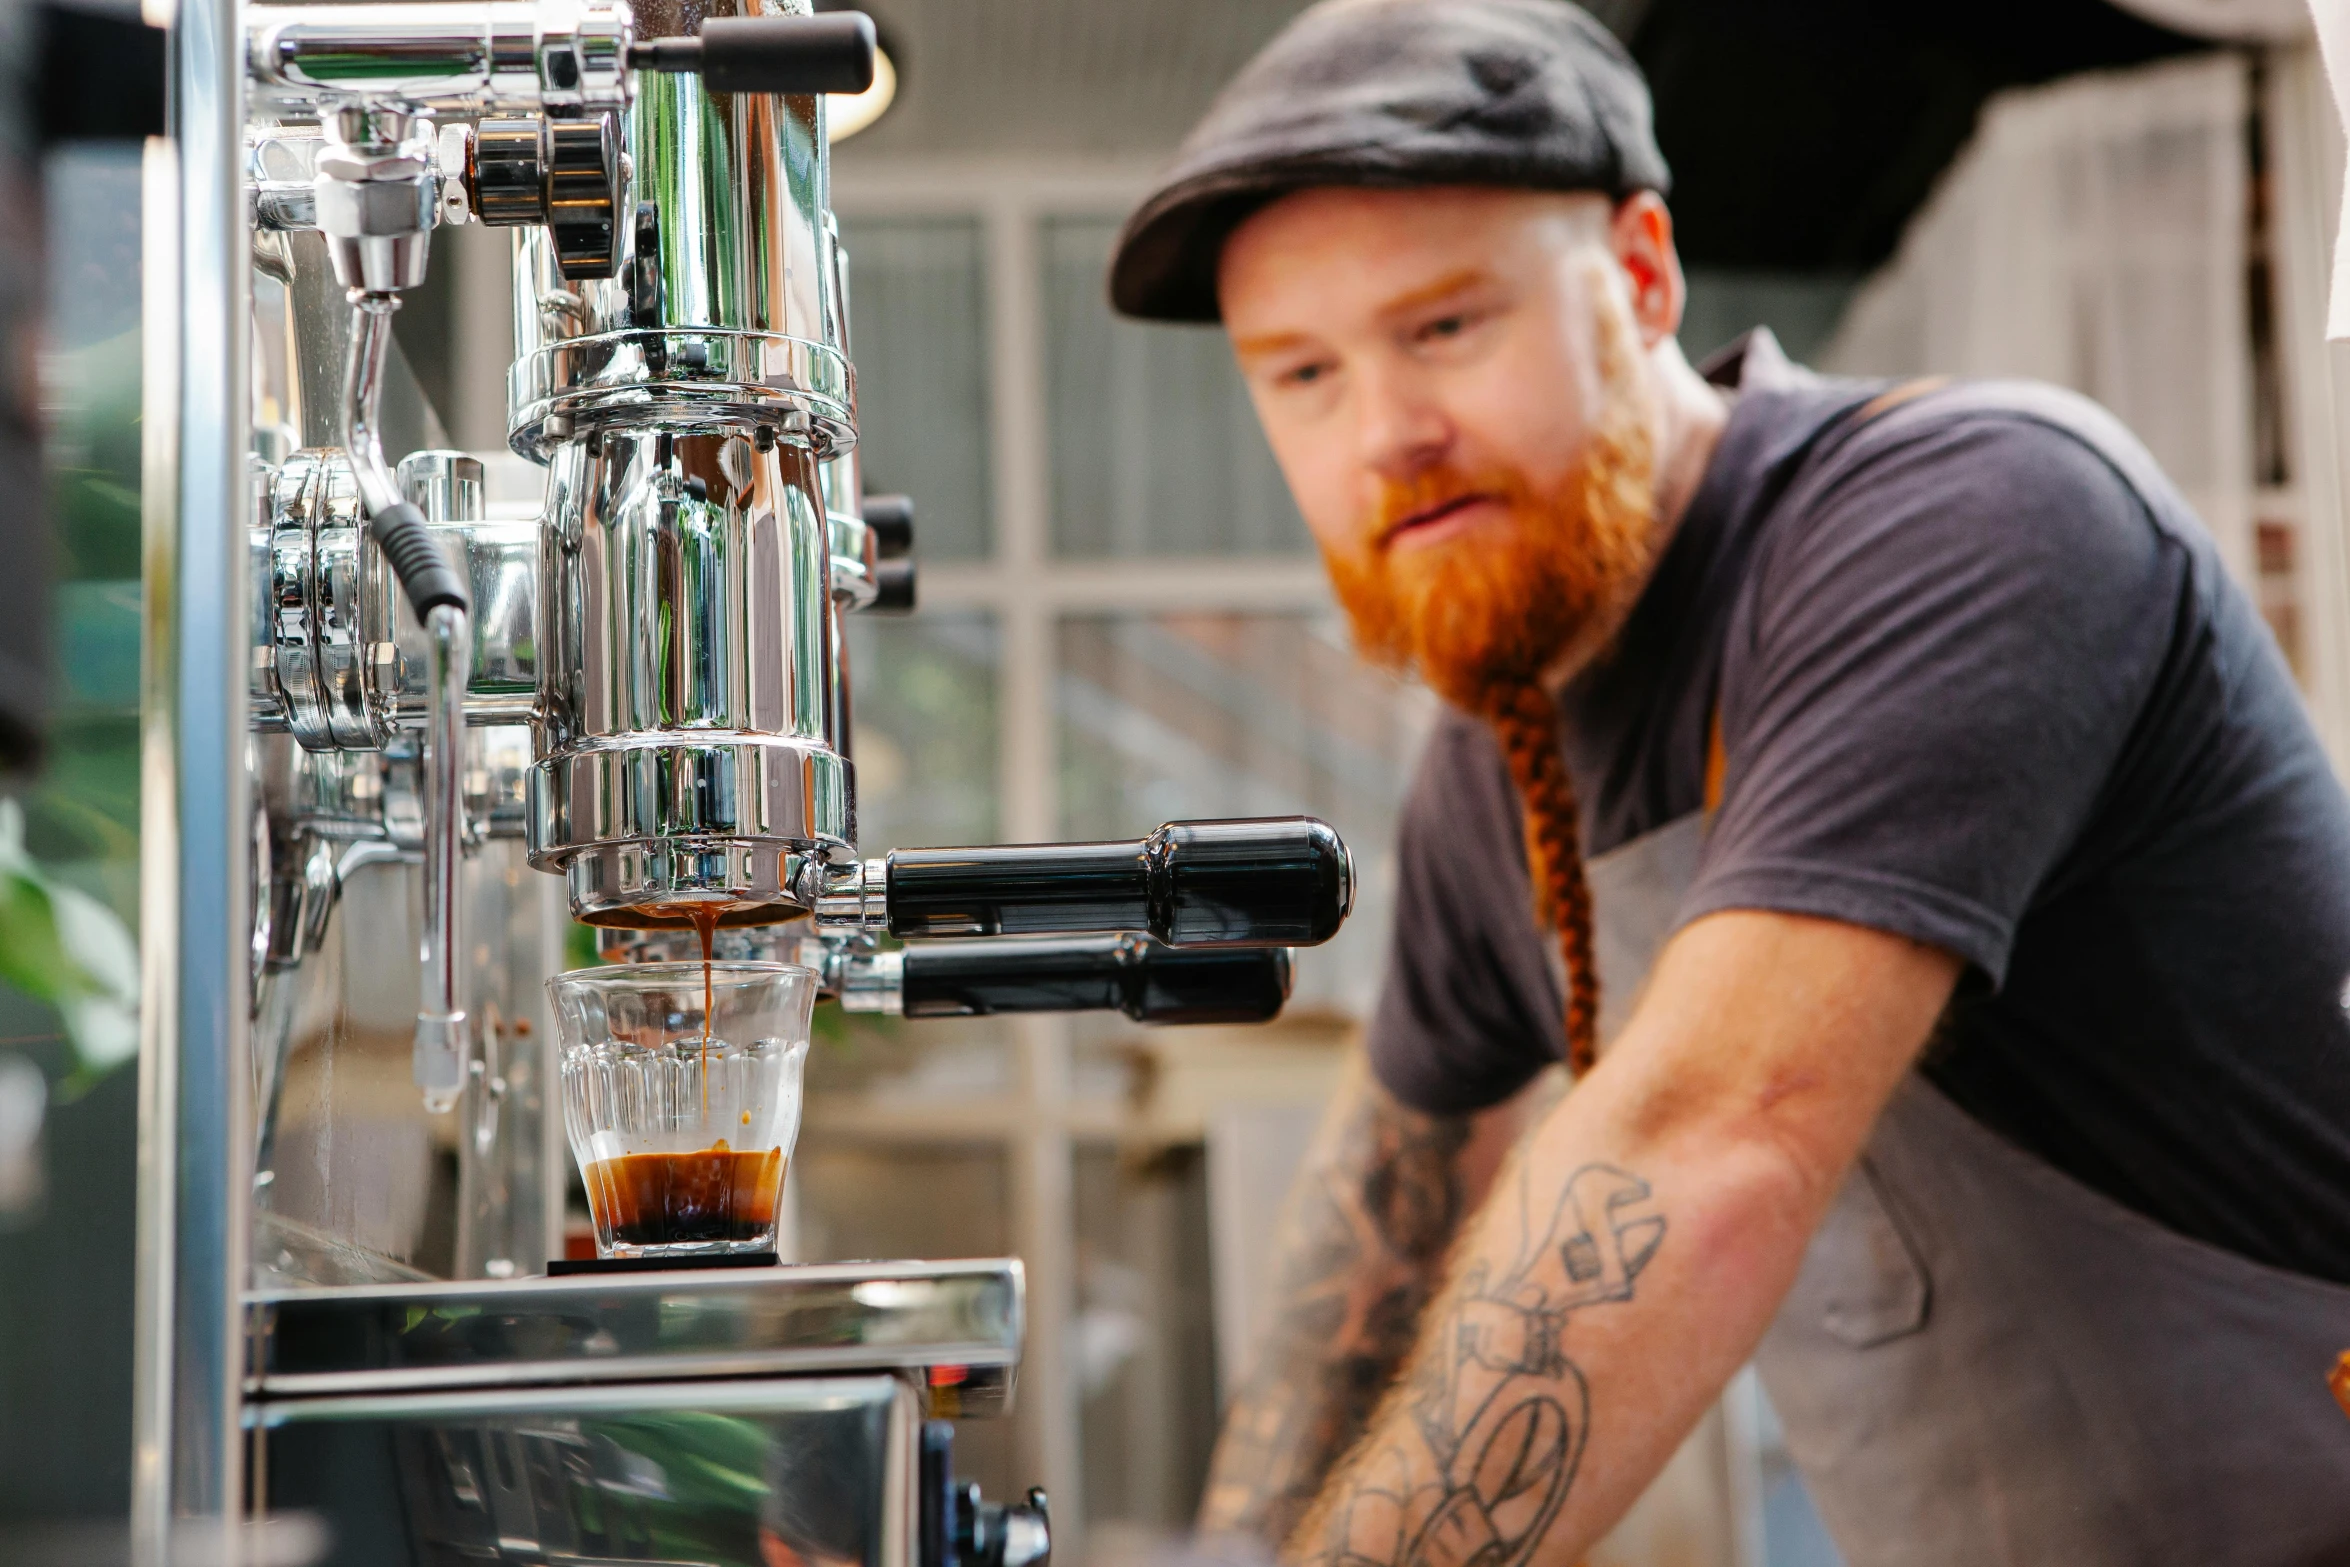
703,378
473,55
960,1322
444,1035
685,678
722,313
844,482
730,191
511,1164
375,196
342,663
811,1470
668,628
195,837
689,713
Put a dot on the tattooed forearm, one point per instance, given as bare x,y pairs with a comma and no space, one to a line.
1361,1249
1473,1454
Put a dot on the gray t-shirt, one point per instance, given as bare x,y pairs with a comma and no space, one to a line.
1982,681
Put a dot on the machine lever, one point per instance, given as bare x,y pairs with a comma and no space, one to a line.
436,591
828,53
1272,882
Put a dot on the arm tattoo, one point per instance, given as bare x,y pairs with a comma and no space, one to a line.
1501,1409
1361,1250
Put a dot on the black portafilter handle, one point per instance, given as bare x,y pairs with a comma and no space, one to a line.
827,53
1147,980
1282,881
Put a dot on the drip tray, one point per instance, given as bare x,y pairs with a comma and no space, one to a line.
569,1267
954,1326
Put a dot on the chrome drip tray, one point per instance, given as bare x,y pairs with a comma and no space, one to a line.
954,1325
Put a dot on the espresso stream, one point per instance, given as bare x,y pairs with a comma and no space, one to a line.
705,918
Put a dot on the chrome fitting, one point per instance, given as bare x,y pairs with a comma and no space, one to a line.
873,982
443,1043
857,898
374,197
452,152
468,56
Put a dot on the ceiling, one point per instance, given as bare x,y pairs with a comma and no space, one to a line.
1803,133
1105,77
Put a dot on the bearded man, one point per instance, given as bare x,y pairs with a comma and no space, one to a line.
1878,795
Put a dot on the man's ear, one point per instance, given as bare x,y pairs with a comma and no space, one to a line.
1641,233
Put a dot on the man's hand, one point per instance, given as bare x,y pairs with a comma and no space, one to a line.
1362,1245
1629,1261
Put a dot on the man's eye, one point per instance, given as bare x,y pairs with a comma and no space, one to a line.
1445,326
1306,375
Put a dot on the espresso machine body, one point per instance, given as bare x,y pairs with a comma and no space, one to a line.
631,710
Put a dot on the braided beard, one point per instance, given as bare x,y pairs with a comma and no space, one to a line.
1483,617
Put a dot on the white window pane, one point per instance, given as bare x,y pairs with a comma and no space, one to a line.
1143,1341
925,729
918,328
1155,449
1167,717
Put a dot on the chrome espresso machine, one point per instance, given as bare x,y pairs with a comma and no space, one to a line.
364,690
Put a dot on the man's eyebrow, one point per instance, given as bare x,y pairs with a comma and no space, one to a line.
1402,304
1430,293
1269,343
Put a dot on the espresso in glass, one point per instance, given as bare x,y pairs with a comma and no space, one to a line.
681,1097
718,1196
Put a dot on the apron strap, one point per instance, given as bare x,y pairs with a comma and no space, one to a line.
1717,762
1894,396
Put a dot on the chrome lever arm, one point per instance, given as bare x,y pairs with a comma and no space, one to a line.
437,593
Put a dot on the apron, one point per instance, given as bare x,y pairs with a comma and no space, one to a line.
1984,1362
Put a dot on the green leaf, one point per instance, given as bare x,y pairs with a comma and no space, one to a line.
32,955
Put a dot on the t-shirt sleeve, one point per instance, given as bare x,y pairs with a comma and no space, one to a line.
1942,658
1470,1008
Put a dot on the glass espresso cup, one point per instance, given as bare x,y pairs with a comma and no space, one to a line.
682,1112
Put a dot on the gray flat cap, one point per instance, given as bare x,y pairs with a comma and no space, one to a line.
1531,94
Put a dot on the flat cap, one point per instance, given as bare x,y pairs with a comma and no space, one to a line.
1531,94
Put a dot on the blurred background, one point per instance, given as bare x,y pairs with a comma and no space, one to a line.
1122,621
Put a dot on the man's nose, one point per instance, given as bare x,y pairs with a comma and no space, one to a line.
1401,426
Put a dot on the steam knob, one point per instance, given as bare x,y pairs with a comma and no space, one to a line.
890,519
831,52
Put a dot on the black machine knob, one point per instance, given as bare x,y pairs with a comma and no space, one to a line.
958,1529
827,53
890,519
1270,882
563,173
1149,982
894,586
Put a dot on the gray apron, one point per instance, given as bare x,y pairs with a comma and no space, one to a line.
1985,1362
